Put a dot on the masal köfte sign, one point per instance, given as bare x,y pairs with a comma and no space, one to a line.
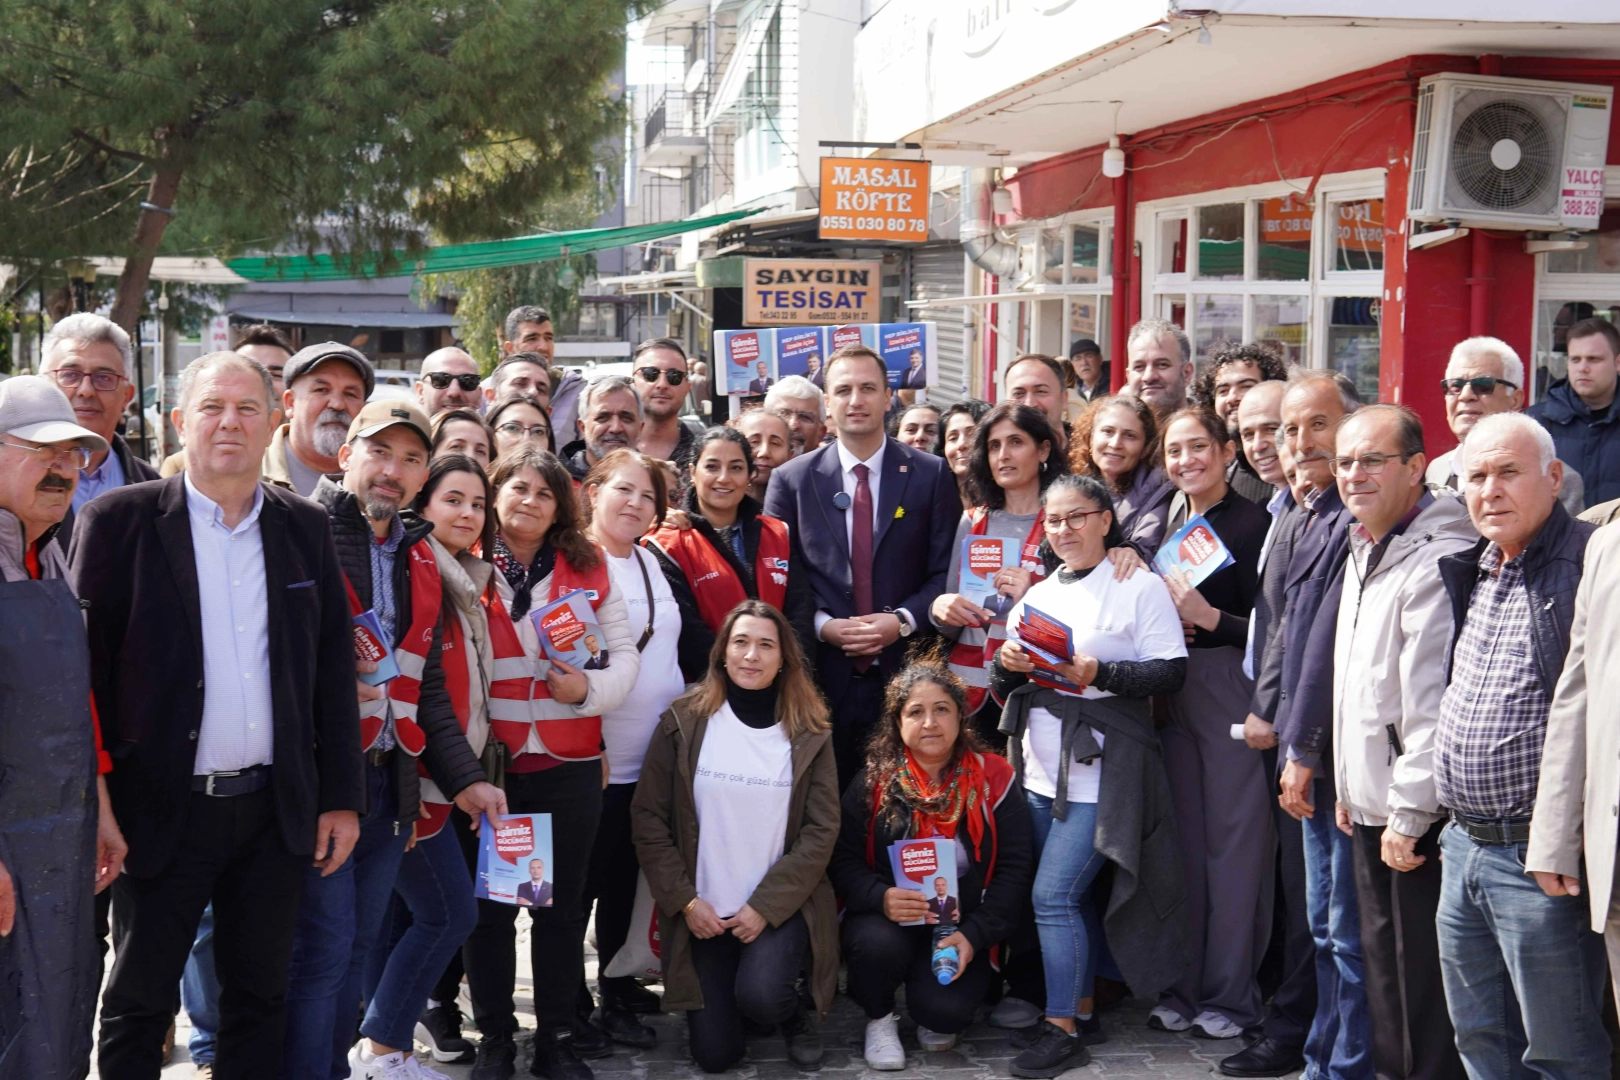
811,292
755,360
874,199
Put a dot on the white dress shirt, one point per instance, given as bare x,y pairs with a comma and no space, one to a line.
236,730
874,465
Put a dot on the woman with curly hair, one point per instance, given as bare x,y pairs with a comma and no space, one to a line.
927,775
1116,441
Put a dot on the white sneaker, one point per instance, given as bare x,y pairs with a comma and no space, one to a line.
934,1042
1212,1025
883,1049
1164,1018
362,1066
1014,1013
418,1071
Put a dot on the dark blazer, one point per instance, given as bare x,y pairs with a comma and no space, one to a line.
596,663
914,378
137,470
946,910
1268,612
1552,572
1310,624
135,574
540,898
918,510
819,379
759,386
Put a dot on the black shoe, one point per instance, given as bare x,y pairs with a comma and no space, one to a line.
440,1028
558,1058
497,1059
803,1042
630,996
589,1041
1090,1029
1054,1051
621,1026
1268,1057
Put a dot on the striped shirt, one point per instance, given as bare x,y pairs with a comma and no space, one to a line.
1493,716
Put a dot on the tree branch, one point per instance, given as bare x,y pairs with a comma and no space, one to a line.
110,150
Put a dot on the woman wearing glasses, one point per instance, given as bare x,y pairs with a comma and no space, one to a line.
659,367
734,550
463,431
1218,783
1091,768
520,421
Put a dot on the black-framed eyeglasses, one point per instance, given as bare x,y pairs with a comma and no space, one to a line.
76,457
1484,385
1371,464
1074,521
441,380
517,430
101,381
673,376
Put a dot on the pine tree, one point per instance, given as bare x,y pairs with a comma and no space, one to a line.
213,127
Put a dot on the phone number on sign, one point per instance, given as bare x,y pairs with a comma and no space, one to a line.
876,224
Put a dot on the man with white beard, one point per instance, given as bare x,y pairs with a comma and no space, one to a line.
326,386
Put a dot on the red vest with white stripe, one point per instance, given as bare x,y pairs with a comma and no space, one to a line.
519,702
456,657
404,691
969,662
715,585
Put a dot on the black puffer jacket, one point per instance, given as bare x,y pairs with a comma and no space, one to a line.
1552,572
448,755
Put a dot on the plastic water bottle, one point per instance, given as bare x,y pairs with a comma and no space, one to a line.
945,959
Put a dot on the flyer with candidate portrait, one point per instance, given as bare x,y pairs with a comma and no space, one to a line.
981,557
748,358
569,632
753,361
1049,642
514,860
908,354
795,350
371,646
929,866
1195,549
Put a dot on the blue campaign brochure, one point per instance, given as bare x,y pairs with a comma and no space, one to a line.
929,867
369,644
1049,643
981,557
514,860
569,632
1195,550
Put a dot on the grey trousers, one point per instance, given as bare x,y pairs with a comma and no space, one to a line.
1228,840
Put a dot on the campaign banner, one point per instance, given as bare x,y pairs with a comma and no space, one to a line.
754,360
929,867
811,292
514,860
748,358
908,351
802,352
1195,550
1049,642
371,646
569,633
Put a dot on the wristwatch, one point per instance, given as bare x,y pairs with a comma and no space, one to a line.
907,627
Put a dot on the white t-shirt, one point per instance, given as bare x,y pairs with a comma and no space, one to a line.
1111,620
742,789
628,729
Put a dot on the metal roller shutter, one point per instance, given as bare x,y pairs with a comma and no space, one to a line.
940,270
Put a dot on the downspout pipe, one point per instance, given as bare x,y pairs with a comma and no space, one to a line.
980,243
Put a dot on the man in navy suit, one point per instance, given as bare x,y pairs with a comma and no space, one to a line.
872,520
914,377
762,381
536,892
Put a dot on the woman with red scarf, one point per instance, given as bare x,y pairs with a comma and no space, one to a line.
927,775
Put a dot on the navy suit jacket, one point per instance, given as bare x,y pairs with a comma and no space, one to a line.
1310,626
911,550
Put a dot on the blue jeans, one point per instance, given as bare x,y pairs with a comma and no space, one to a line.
1339,1046
435,885
199,992
1065,917
1524,974
338,921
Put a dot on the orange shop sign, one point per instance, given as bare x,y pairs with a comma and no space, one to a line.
874,199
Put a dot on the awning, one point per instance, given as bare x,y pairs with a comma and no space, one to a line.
177,268
652,281
391,320
743,56
514,252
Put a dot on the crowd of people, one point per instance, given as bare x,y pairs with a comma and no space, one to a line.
1344,798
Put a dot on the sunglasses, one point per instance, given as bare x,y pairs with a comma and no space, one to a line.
672,376
441,380
1482,386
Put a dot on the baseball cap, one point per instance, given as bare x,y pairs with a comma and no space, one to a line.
32,408
385,413
1085,345
310,355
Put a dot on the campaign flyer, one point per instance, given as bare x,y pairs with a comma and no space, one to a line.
370,645
929,866
1195,550
800,351
569,632
908,354
514,860
981,557
1048,643
748,358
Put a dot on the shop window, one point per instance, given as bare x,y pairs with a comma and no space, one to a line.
1553,320
1352,341
1172,253
1601,254
1174,309
1085,254
1285,239
1571,286
1284,322
1088,318
1357,241
1219,318
1220,242
1051,256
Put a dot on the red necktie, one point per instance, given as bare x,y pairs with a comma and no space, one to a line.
860,551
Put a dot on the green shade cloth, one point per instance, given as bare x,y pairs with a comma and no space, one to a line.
435,260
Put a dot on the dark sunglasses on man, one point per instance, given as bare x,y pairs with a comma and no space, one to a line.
441,380
673,376
1483,386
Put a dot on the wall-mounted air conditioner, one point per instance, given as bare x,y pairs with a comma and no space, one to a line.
1509,153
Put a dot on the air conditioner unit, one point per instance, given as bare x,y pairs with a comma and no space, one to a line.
1509,153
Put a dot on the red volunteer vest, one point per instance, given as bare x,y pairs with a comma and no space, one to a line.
717,587
969,661
404,691
453,650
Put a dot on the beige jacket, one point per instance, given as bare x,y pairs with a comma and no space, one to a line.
1389,670
1578,797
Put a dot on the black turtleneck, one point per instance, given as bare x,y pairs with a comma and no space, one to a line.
756,708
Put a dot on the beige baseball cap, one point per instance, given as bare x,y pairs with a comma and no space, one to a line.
34,409
384,413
